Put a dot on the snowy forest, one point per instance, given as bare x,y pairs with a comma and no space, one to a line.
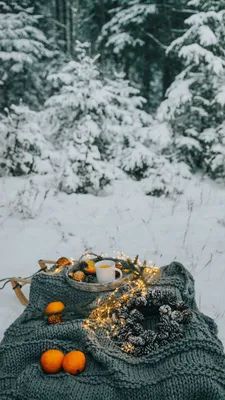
93,91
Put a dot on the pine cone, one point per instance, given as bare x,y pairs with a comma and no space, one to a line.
187,316
137,315
139,351
156,297
163,336
164,342
54,319
136,340
79,276
123,332
177,316
180,305
156,294
90,279
175,327
140,301
166,323
148,336
169,297
165,310
123,313
130,322
149,294
163,325
138,329
149,349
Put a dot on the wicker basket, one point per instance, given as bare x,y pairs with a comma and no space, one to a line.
96,287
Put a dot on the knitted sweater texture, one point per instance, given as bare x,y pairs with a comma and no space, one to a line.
191,368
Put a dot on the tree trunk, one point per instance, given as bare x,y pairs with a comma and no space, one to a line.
101,12
57,10
146,72
58,19
127,66
171,65
67,24
53,10
77,2
64,22
71,23
61,22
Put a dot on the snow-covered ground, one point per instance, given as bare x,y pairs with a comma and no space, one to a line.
190,229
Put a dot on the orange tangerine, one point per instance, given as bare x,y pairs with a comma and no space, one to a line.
74,362
90,269
51,361
54,307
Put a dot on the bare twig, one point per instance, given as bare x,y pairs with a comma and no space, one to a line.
151,234
208,262
5,219
163,46
190,208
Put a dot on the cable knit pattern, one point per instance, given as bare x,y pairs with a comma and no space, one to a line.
192,368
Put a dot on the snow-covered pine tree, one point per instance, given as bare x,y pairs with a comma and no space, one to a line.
75,114
195,103
99,128
23,146
22,47
127,128
94,120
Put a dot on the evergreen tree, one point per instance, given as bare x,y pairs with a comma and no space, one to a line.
91,117
147,159
22,47
76,117
99,128
166,178
137,34
195,102
23,147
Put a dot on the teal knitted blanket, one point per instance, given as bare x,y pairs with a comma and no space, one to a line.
190,368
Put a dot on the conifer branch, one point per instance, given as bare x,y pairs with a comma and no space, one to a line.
163,46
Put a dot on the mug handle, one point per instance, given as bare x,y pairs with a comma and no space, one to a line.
121,274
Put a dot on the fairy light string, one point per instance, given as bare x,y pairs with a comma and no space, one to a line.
101,319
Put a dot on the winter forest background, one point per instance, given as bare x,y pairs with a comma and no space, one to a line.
92,91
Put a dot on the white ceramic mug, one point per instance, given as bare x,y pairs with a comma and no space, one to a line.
107,274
